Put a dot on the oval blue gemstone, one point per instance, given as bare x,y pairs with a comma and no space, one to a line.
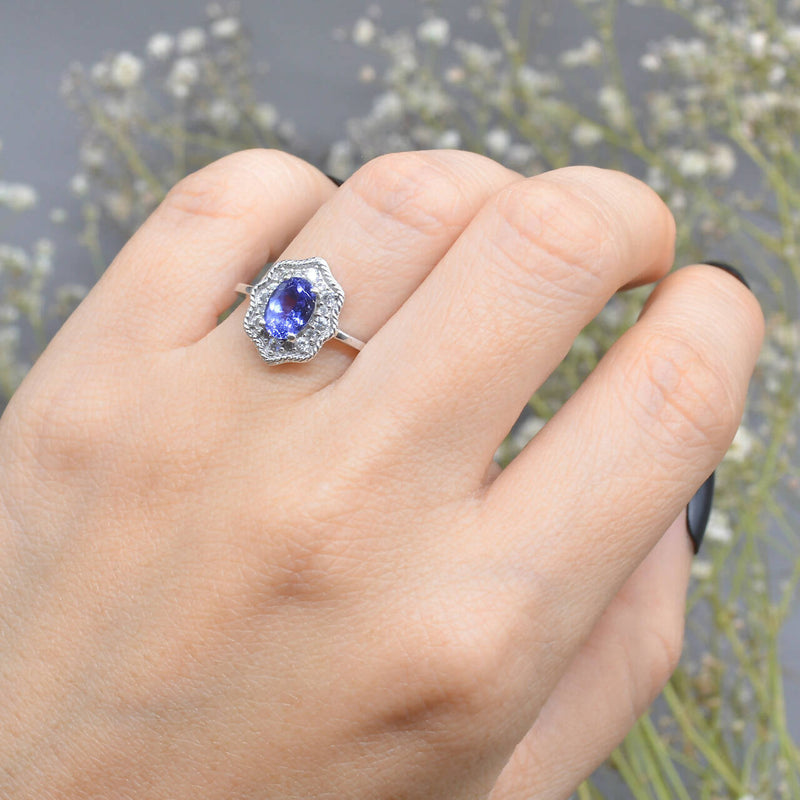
289,308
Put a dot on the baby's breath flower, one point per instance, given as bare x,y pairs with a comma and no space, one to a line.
526,430
191,40
223,113
693,164
17,196
757,42
586,134
434,31
741,446
184,74
79,185
58,216
589,53
160,46
363,31
340,159
719,527
100,73
126,69
701,569
722,161
265,115
651,62
449,140
118,205
225,28
498,140
612,101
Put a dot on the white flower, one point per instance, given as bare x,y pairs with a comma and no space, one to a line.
498,140
612,101
387,106
340,159
265,115
435,31
100,73
225,28
191,40
79,185
723,160
58,216
126,69
448,140
184,74
741,445
701,569
160,46
590,52
526,430
363,31
650,62
693,164
757,42
17,196
223,113
777,74
656,179
719,527
792,34
585,134
520,155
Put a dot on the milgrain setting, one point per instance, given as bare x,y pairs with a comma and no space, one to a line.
294,309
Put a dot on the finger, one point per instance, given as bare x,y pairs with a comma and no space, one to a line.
630,654
216,227
497,315
636,441
381,234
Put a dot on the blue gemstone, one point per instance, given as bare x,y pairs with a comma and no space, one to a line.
289,308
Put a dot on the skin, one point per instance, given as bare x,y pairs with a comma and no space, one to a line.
220,579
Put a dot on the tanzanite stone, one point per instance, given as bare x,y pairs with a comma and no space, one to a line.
289,308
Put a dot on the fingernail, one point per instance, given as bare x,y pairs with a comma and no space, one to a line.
339,183
728,268
698,511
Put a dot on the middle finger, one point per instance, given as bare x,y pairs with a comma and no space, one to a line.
458,362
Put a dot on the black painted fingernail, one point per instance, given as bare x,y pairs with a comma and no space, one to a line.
339,183
728,268
698,511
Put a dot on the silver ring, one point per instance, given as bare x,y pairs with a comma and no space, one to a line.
294,309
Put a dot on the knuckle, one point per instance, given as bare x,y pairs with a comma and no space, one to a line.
571,240
412,190
456,666
229,189
681,399
68,430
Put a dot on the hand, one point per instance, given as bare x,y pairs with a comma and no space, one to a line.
220,579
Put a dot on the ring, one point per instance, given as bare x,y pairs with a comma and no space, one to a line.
294,309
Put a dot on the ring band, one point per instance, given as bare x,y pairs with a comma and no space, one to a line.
294,309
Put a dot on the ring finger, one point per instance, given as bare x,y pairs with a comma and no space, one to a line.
382,232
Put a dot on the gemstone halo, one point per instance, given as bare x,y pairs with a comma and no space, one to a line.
294,309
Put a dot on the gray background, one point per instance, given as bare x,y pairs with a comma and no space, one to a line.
39,38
